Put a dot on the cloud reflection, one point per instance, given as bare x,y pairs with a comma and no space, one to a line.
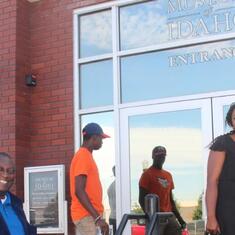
184,158
142,25
148,23
96,33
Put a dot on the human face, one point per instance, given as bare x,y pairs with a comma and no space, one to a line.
7,174
97,142
159,159
233,119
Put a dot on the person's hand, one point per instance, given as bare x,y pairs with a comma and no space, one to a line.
212,226
104,227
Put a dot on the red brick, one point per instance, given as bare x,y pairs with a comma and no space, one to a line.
36,123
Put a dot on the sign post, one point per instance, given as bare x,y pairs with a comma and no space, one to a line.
45,204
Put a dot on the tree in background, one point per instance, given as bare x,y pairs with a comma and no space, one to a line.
136,208
197,213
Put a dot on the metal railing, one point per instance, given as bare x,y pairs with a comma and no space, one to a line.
154,219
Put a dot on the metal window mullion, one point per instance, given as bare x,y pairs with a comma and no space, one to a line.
179,44
95,58
76,98
95,110
116,101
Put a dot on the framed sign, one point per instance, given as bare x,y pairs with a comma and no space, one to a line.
45,198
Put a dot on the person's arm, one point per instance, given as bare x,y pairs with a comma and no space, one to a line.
80,185
142,193
176,212
214,168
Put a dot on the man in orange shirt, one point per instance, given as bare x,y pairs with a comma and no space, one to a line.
85,185
157,181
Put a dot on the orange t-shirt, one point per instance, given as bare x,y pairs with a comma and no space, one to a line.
158,182
84,164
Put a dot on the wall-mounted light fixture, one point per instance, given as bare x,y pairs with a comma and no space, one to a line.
30,80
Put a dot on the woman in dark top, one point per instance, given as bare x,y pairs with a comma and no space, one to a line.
220,192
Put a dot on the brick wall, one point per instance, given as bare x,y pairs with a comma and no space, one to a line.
14,107
36,123
22,93
7,75
52,98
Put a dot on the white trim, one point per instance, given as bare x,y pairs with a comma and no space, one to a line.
75,82
65,218
95,110
162,46
159,101
103,6
95,58
178,99
178,44
116,98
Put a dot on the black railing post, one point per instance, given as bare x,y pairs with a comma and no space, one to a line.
154,219
127,217
151,205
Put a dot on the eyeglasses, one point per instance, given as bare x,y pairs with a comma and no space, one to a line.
9,171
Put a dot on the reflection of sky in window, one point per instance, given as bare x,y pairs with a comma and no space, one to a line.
183,181
95,34
162,21
153,75
169,119
103,119
96,84
180,132
146,18
154,19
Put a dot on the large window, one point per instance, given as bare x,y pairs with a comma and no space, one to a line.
140,53
94,90
178,72
142,24
95,34
155,22
181,133
114,67
96,84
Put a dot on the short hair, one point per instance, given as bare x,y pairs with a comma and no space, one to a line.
229,114
158,149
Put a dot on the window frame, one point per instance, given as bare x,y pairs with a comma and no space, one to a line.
116,54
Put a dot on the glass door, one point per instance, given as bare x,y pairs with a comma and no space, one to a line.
185,129
220,109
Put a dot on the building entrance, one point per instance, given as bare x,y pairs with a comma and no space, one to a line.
185,128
